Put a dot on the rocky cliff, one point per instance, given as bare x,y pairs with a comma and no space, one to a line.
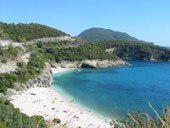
51,39
92,64
44,80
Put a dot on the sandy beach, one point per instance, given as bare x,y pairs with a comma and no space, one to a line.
49,104
59,69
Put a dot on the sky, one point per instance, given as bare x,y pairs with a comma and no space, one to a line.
147,20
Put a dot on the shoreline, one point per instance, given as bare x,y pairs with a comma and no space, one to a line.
50,104
59,70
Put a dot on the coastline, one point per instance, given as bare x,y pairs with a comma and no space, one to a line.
51,105
59,70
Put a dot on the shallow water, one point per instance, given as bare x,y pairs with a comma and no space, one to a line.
113,92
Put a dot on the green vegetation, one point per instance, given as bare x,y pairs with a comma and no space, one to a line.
24,72
3,35
6,81
52,44
86,51
57,121
10,51
32,69
135,50
11,117
83,52
51,51
101,34
61,44
96,50
21,64
25,32
144,120
77,50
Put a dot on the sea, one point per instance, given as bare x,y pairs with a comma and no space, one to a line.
111,93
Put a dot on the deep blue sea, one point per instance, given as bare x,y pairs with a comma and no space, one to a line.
113,92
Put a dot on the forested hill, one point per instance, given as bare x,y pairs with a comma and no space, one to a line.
100,34
26,61
25,32
135,50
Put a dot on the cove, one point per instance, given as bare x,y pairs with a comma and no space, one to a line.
113,92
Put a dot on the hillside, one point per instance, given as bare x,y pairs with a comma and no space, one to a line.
25,32
26,65
12,117
135,50
100,34
35,55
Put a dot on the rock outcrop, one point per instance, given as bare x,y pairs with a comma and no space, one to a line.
44,80
5,43
92,64
88,65
51,39
11,64
111,63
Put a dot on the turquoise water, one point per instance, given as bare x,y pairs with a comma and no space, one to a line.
113,92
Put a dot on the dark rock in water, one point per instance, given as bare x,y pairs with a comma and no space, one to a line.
86,65
32,94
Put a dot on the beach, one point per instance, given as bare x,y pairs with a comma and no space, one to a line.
48,103
59,70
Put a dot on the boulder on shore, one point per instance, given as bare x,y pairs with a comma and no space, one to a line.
87,65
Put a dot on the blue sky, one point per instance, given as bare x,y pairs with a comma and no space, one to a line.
147,20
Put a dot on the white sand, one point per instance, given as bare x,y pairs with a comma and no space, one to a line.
49,104
59,69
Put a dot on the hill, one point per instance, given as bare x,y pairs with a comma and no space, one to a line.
25,32
133,50
24,65
100,34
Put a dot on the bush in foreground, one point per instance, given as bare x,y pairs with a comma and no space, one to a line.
11,117
144,120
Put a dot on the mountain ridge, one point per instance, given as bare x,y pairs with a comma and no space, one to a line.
101,34
23,32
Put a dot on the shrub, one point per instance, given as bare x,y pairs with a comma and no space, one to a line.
2,125
13,51
23,73
11,117
6,81
39,45
24,32
10,51
58,121
4,60
144,120
20,64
